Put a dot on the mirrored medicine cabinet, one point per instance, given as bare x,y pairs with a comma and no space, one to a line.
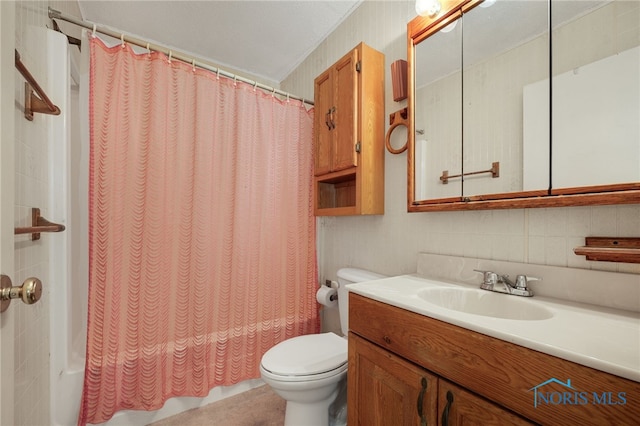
517,104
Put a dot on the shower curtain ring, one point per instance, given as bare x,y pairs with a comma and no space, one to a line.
93,33
255,85
122,40
170,54
148,50
193,64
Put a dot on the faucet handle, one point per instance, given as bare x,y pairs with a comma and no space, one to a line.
523,280
489,277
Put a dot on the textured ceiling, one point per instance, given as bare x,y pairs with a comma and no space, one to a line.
264,38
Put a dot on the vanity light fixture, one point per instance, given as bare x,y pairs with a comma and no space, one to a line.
487,3
449,27
428,7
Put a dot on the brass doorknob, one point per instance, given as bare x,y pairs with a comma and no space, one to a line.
30,291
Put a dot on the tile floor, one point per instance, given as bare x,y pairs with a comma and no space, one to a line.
256,407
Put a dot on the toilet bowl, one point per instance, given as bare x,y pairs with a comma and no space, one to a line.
310,371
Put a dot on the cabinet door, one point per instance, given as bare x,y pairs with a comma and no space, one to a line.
460,407
384,389
323,129
345,117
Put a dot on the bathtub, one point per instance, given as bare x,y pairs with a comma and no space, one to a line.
68,146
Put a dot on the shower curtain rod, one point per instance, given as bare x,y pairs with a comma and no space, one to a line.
56,14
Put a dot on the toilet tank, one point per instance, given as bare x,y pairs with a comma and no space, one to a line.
348,276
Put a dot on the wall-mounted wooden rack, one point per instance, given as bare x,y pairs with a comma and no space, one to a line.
39,224
606,249
33,103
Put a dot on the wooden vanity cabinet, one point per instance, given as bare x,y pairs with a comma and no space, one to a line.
385,389
457,406
349,135
490,381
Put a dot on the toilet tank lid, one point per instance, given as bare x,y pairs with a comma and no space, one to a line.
356,275
306,355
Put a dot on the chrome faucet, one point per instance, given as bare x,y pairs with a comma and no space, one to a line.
502,283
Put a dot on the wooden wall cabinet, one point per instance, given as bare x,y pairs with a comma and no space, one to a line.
470,378
349,135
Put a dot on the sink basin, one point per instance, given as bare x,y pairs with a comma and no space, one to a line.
485,303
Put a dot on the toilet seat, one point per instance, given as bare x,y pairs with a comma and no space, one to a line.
308,357
272,379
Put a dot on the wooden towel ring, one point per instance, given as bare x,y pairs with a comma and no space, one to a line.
398,118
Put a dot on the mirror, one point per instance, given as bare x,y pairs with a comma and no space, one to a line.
486,128
498,65
596,93
438,113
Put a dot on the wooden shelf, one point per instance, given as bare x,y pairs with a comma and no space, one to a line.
606,249
336,195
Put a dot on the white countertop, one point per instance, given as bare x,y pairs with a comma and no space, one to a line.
601,338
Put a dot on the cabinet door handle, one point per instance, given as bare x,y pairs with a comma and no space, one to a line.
423,391
445,413
326,119
333,123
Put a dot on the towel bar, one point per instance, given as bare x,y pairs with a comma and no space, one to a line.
39,224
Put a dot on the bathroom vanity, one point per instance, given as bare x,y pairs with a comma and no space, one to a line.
422,368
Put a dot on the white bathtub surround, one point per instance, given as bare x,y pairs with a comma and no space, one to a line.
65,322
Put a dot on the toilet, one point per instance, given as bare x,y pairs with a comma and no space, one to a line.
310,371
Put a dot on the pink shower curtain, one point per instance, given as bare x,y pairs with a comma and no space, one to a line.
202,234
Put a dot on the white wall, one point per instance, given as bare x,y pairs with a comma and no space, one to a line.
31,363
389,244
31,390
